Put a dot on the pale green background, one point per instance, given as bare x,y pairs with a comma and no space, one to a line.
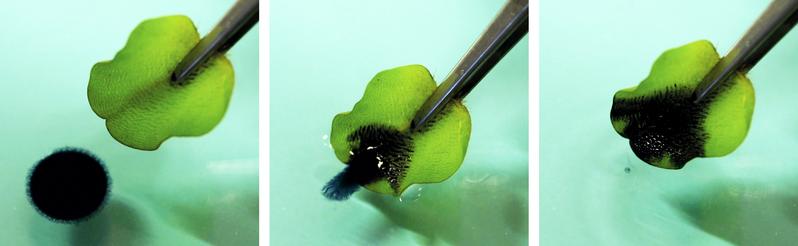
590,49
322,55
192,191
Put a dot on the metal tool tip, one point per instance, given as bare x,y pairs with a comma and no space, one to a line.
174,77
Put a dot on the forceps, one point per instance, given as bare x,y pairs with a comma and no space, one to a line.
509,26
238,20
771,26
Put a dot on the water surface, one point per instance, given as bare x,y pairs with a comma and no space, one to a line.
192,191
321,59
587,197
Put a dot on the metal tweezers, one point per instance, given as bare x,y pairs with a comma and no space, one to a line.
238,20
771,26
504,32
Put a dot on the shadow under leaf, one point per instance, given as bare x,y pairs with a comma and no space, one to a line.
474,207
743,213
116,224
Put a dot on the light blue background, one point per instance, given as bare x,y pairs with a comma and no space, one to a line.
589,50
322,55
192,191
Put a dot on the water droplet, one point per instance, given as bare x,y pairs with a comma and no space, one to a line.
413,193
325,142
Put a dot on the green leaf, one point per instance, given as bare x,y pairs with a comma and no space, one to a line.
665,128
392,99
133,93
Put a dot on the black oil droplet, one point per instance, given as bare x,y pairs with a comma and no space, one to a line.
68,186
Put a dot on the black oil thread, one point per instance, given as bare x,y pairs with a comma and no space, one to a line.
68,186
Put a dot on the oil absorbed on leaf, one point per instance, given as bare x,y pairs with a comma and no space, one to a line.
665,128
382,118
133,93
